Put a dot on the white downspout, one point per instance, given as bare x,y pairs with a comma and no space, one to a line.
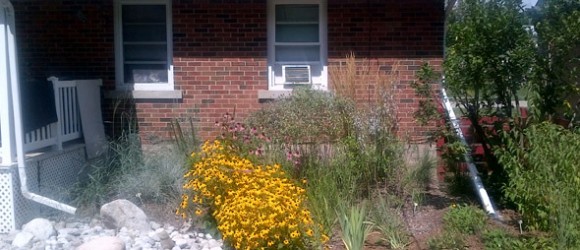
476,181
19,138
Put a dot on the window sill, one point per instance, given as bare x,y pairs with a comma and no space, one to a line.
265,95
144,94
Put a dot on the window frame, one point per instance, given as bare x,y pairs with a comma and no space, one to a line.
322,81
119,53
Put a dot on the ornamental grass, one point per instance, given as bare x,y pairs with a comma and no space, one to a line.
255,206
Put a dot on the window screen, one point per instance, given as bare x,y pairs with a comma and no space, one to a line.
144,38
297,37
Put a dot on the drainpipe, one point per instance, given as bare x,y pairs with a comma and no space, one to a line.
19,135
473,174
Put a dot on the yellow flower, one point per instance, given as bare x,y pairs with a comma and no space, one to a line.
255,206
294,234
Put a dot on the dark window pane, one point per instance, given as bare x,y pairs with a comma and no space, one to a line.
297,33
143,13
145,52
298,53
144,33
297,13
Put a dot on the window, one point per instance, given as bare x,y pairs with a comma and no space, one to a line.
297,44
143,45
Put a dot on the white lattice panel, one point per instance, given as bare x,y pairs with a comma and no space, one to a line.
52,177
14,209
6,202
25,210
59,173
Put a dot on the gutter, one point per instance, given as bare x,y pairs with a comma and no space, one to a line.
19,135
473,174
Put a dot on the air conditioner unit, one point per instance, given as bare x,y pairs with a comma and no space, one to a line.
297,74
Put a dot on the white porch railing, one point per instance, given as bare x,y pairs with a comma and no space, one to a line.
68,126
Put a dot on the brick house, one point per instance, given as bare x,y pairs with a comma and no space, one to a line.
202,58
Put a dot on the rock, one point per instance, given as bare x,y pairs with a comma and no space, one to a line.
41,228
182,243
82,233
22,239
155,225
38,245
103,243
162,234
167,243
123,213
153,235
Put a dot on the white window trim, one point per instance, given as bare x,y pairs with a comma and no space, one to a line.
119,71
322,83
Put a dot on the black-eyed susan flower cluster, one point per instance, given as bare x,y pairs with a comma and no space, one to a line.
255,206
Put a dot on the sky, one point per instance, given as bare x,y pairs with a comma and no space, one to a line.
529,3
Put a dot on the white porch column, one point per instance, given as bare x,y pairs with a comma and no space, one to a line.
8,148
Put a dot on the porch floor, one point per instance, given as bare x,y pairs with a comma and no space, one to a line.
46,152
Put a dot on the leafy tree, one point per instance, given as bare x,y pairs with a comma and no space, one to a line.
555,82
489,54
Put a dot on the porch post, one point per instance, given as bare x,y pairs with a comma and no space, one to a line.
57,105
7,152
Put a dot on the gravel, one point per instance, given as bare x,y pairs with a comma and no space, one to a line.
73,232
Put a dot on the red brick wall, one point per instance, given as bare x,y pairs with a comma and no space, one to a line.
220,52
73,40
388,35
220,62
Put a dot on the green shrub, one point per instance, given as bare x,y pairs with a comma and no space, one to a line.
306,116
542,165
464,219
123,155
345,152
498,239
386,219
447,241
321,135
157,179
334,181
126,172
